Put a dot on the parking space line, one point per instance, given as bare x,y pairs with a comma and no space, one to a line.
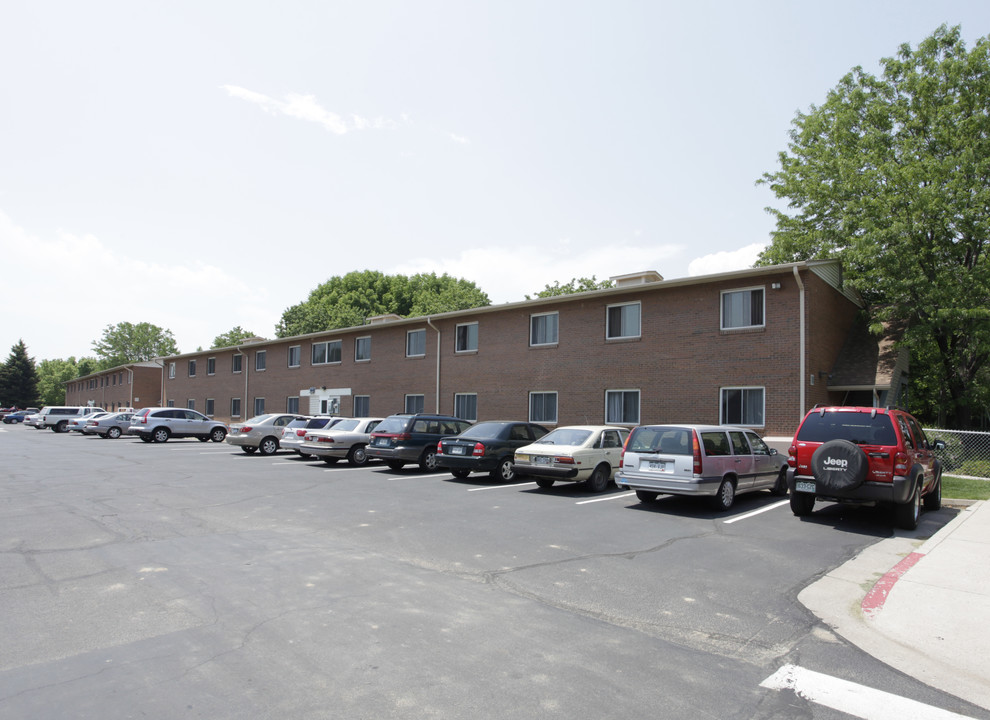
755,512
416,477
603,499
502,487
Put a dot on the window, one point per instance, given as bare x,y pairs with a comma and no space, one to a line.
622,407
260,359
235,407
114,379
191,404
326,352
292,404
622,321
742,308
259,406
543,329
416,343
171,370
543,407
467,338
414,403
466,406
211,366
295,354
170,403
192,368
209,407
236,363
742,406
362,405
362,349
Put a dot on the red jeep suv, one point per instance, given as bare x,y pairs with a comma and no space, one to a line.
864,455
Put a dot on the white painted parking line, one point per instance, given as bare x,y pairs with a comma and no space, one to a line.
853,699
503,487
416,477
603,499
748,515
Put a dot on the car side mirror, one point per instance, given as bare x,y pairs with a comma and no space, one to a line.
773,451
940,444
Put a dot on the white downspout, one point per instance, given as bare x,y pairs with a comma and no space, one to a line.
244,369
437,399
802,331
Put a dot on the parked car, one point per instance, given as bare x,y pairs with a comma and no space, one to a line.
161,423
111,425
260,433
345,438
294,434
57,417
587,454
717,461
412,438
864,455
18,416
34,420
487,447
77,424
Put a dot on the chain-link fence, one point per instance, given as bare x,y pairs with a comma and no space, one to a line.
966,452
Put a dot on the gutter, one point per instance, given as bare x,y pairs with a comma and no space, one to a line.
803,330
244,369
429,321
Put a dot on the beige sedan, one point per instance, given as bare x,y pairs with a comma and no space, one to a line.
588,454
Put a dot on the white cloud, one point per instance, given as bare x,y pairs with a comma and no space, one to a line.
726,260
459,139
306,107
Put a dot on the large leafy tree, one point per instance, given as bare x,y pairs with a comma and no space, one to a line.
127,342
891,174
52,376
231,337
18,378
576,285
346,301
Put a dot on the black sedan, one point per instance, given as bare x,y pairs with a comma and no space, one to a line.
487,447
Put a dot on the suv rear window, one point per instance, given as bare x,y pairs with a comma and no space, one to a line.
393,425
859,428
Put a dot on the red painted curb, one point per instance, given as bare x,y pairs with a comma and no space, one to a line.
877,596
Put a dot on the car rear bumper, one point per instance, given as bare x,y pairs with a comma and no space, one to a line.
468,462
898,491
243,440
694,485
403,453
555,473
324,450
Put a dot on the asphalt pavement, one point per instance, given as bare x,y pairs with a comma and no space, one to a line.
921,605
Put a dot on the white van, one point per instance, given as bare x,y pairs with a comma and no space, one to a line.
57,417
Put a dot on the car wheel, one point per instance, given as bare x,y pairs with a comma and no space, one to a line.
599,478
725,496
304,456
428,460
460,473
204,439
544,482
395,464
802,503
160,435
218,434
933,500
357,456
113,433
62,427
146,438
506,471
331,460
780,487
646,496
248,449
268,446
906,515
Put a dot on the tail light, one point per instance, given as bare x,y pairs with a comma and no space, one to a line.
622,455
439,447
696,451
324,439
479,450
564,460
301,433
900,463
792,456
246,429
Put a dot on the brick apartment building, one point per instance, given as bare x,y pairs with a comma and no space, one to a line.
134,385
756,347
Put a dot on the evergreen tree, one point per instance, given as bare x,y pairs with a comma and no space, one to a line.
19,378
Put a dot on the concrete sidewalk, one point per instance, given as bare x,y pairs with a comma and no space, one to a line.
921,606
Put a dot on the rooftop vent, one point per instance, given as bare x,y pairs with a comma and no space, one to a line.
637,278
379,319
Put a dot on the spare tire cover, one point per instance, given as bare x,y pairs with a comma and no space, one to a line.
839,465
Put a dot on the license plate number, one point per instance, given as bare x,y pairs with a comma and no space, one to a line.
382,442
657,465
457,450
541,460
804,486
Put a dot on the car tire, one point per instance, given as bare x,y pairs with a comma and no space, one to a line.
906,515
646,496
113,433
725,496
428,460
331,460
146,438
779,488
544,483
62,427
933,500
599,478
250,450
506,470
268,446
357,456
218,434
204,439
460,473
802,504
395,464
160,435
839,465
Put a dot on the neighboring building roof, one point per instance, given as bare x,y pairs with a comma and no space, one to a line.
110,371
867,362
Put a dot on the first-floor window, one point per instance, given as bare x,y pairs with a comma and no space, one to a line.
622,407
362,405
191,404
543,407
414,403
292,404
209,407
259,406
170,403
466,406
235,407
742,406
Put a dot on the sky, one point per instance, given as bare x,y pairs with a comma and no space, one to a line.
201,165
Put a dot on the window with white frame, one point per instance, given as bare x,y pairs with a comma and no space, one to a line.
235,407
742,308
236,363
210,403
543,407
171,370
211,366
292,404
415,403
466,406
622,321
259,406
543,329
362,349
622,407
416,343
742,406
260,360
170,403
295,355
326,352
362,405
192,368
466,337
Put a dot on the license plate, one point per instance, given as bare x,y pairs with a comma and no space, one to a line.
382,442
541,460
457,450
804,486
657,465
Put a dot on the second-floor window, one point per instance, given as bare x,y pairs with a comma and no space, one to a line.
622,321
362,349
260,359
543,329
416,343
467,338
742,308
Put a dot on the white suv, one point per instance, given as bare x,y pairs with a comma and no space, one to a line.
160,424
57,417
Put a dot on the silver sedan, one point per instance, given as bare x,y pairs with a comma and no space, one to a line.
260,433
346,438
111,425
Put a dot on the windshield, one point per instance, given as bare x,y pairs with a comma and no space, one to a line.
564,436
257,419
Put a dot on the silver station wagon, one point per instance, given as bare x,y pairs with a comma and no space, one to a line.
716,461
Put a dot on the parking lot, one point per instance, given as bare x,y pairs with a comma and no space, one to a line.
188,579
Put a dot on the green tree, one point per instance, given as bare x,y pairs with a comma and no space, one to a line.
576,285
231,337
891,174
52,376
18,378
86,366
126,343
348,300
